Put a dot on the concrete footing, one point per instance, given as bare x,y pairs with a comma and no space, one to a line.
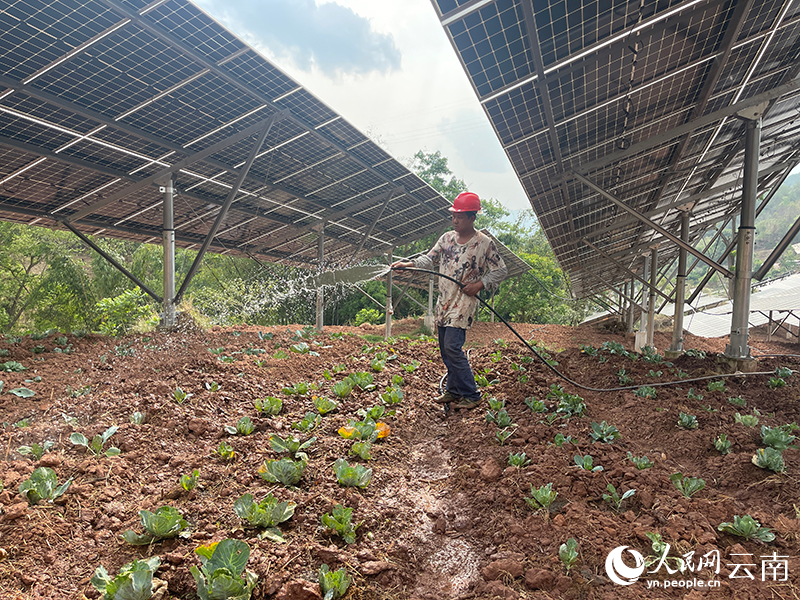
732,365
673,354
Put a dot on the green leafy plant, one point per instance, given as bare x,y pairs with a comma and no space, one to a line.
371,414
222,575
351,475
779,438
297,389
333,584
641,462
212,386
189,481
536,405
569,405
722,444
412,366
267,514
688,486
225,451
118,315
541,497
559,440
244,426
43,485
738,401
502,435
769,458
646,391
693,396
324,405
748,528
776,382
361,450
495,404
568,553
180,396
343,388
340,521
291,445
783,372
624,378
694,353
22,392
37,450
717,385
614,498
393,395
362,380
587,349
97,443
746,420
587,463
603,432
138,417
686,421
652,373
285,471
308,422
518,460
167,522
377,364
660,549
133,582
500,418
268,406
13,366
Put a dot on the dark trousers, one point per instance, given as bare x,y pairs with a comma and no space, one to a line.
460,380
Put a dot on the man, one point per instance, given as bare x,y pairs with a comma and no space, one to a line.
470,257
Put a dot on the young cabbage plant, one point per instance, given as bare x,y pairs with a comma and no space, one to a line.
560,439
371,414
138,417
776,382
291,445
501,418
361,450
748,528
646,391
324,405
587,463
568,553
343,388
212,386
412,366
641,462
351,475
333,584
541,497
686,421
167,522
614,498
309,422
43,485
502,435
285,471
716,386
97,443
518,460
340,522
225,451
536,405
738,401
393,395
692,395
267,514
746,420
243,427
769,458
688,486
189,481
362,380
133,582
722,444
298,389
779,438
222,575
36,450
180,396
269,406
603,432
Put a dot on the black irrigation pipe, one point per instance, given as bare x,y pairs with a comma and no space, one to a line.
559,373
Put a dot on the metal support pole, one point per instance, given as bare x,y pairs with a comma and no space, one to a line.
320,293
769,327
738,348
631,307
651,303
680,288
389,306
429,315
168,316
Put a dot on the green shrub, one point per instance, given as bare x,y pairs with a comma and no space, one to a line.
120,314
368,315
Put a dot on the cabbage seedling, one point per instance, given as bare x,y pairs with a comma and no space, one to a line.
738,401
783,372
361,450
722,444
693,396
267,514
769,458
641,462
243,427
776,382
290,444
688,486
518,460
97,443
397,380
285,471
603,432
568,553
686,421
412,366
351,476
324,405
503,434
180,396
37,450
377,364
333,584
392,396
340,521
779,438
167,522
716,386
189,481
223,567
308,422
495,404
343,388
536,405
298,389
362,380
501,418
268,406
43,485
138,417
371,414
746,420
747,527
613,497
586,463
559,440
646,391
212,386
541,497
133,582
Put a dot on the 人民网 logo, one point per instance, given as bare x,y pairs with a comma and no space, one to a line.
618,571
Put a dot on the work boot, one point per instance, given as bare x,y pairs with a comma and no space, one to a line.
446,398
466,403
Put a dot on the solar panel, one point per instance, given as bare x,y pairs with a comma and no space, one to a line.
577,86
98,96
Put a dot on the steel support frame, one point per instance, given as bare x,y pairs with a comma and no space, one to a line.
389,306
223,212
651,302
168,314
737,347
778,251
630,298
371,226
320,292
680,288
624,268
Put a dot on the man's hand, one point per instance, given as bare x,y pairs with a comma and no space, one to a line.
471,289
402,264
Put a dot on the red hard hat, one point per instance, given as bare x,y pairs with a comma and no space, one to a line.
466,202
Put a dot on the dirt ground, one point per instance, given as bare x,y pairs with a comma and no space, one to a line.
444,515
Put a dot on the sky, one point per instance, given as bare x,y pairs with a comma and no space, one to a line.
388,68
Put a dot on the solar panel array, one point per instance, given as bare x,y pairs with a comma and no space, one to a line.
98,96
639,97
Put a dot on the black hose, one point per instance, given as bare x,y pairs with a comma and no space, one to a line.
560,374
